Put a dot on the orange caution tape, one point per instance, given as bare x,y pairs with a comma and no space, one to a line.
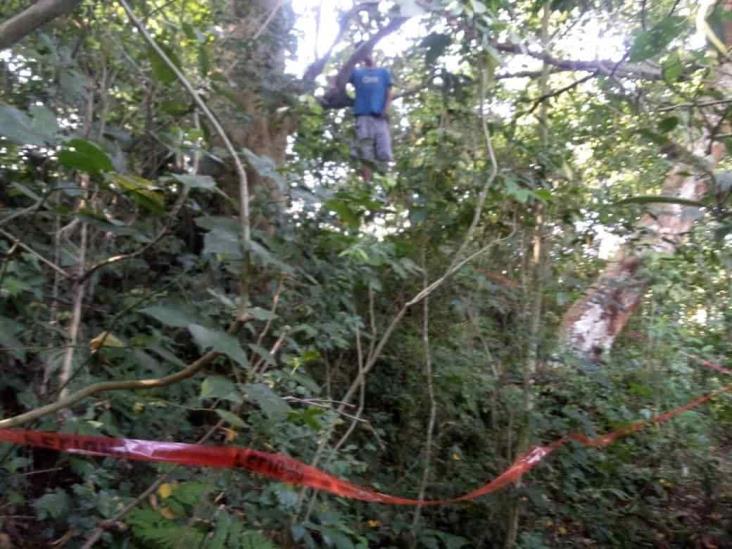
286,469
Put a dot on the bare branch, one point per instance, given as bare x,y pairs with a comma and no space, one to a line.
34,253
125,385
38,14
106,386
603,67
336,96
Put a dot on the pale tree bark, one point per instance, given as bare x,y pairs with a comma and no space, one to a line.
38,14
592,324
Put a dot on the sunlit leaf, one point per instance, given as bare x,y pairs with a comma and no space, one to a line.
141,191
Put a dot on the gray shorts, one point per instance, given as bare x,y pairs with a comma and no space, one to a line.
373,142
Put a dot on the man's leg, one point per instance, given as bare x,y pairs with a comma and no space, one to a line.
382,140
366,145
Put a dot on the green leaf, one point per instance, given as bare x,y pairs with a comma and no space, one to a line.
172,314
220,387
220,342
196,181
141,191
265,167
346,214
268,258
436,44
44,122
8,342
650,43
271,404
668,124
222,242
263,353
53,505
672,68
231,419
211,222
16,126
80,154
160,69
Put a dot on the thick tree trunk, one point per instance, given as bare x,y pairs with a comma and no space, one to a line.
252,60
592,324
33,17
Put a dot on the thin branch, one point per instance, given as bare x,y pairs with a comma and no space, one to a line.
267,21
241,172
361,397
555,93
312,72
34,253
600,66
123,257
491,176
125,385
334,96
273,311
695,105
431,397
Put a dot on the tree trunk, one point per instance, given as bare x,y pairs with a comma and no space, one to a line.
592,324
252,59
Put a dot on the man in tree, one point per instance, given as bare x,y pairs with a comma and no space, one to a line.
373,97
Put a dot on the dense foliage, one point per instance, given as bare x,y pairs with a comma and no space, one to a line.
121,257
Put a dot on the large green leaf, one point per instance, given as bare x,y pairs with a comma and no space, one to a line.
141,191
18,127
271,404
160,69
231,419
219,341
172,314
204,182
80,154
220,387
8,342
265,167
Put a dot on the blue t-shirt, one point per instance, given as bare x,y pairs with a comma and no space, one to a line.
371,85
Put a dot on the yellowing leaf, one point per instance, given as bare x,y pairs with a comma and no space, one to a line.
230,434
167,512
165,490
373,523
105,339
456,456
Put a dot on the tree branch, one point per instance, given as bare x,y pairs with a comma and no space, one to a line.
106,386
602,67
336,96
125,385
20,25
